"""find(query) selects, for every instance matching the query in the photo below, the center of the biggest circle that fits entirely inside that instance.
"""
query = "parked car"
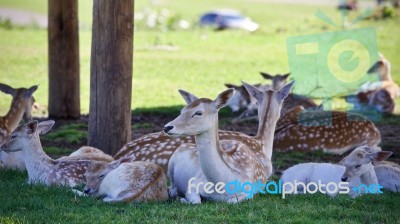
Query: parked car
(226, 18)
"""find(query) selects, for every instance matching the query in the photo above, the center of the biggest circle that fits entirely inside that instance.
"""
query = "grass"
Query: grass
(33, 203)
(68, 133)
(204, 62)
(205, 59)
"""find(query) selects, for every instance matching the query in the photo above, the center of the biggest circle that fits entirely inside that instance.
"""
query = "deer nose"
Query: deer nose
(86, 190)
(344, 178)
(168, 128)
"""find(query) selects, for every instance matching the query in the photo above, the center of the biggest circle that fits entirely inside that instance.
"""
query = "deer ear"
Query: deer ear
(31, 127)
(31, 91)
(45, 126)
(284, 91)
(8, 89)
(188, 97)
(253, 91)
(266, 75)
(285, 76)
(380, 156)
(223, 98)
(228, 85)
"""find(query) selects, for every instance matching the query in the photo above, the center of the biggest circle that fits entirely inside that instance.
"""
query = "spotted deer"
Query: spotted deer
(126, 181)
(291, 101)
(379, 95)
(21, 105)
(88, 153)
(41, 168)
(356, 169)
(158, 147)
(214, 160)
(334, 132)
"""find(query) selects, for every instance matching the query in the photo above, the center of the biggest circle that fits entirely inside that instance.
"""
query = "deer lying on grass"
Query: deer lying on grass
(89, 153)
(241, 99)
(158, 147)
(334, 132)
(356, 168)
(215, 160)
(41, 168)
(21, 105)
(291, 101)
(125, 181)
(379, 95)
(15, 160)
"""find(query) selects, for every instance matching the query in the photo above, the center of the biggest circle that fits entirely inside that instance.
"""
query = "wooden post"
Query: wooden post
(111, 75)
(63, 40)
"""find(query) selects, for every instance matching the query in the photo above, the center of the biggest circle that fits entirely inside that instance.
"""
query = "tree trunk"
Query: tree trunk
(63, 40)
(111, 75)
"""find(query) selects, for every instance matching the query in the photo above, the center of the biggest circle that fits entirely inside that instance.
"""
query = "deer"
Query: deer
(379, 95)
(334, 132)
(158, 147)
(21, 105)
(41, 168)
(126, 181)
(291, 101)
(357, 168)
(88, 153)
(213, 160)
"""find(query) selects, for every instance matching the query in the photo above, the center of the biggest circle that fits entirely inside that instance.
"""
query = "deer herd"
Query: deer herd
(193, 147)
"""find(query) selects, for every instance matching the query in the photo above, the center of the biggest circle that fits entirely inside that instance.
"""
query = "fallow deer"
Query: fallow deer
(356, 168)
(41, 168)
(334, 132)
(291, 101)
(158, 147)
(126, 181)
(215, 160)
(88, 153)
(383, 68)
(21, 105)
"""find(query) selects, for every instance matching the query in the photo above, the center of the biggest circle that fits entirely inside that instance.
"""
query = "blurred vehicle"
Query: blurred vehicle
(226, 18)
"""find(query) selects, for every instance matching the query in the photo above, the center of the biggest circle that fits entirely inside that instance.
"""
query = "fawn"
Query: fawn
(215, 160)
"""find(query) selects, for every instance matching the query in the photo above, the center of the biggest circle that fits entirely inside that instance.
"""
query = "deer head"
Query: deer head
(278, 81)
(96, 172)
(270, 101)
(359, 161)
(22, 98)
(381, 67)
(199, 116)
(26, 134)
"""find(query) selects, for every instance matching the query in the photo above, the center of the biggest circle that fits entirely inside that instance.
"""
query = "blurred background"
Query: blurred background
(172, 51)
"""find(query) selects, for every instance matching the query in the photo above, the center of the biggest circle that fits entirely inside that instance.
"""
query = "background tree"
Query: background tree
(111, 74)
(63, 40)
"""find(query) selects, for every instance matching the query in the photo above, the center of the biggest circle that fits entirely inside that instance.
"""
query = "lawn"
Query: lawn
(203, 62)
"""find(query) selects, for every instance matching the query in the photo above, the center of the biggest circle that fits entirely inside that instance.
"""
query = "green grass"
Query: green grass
(204, 62)
(205, 59)
(67, 133)
(35, 203)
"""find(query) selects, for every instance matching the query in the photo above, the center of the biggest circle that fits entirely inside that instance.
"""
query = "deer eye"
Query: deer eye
(358, 166)
(198, 113)
(101, 176)
(13, 137)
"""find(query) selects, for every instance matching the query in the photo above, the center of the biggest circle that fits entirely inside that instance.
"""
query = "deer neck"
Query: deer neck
(213, 166)
(266, 127)
(369, 177)
(386, 73)
(14, 115)
(37, 162)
